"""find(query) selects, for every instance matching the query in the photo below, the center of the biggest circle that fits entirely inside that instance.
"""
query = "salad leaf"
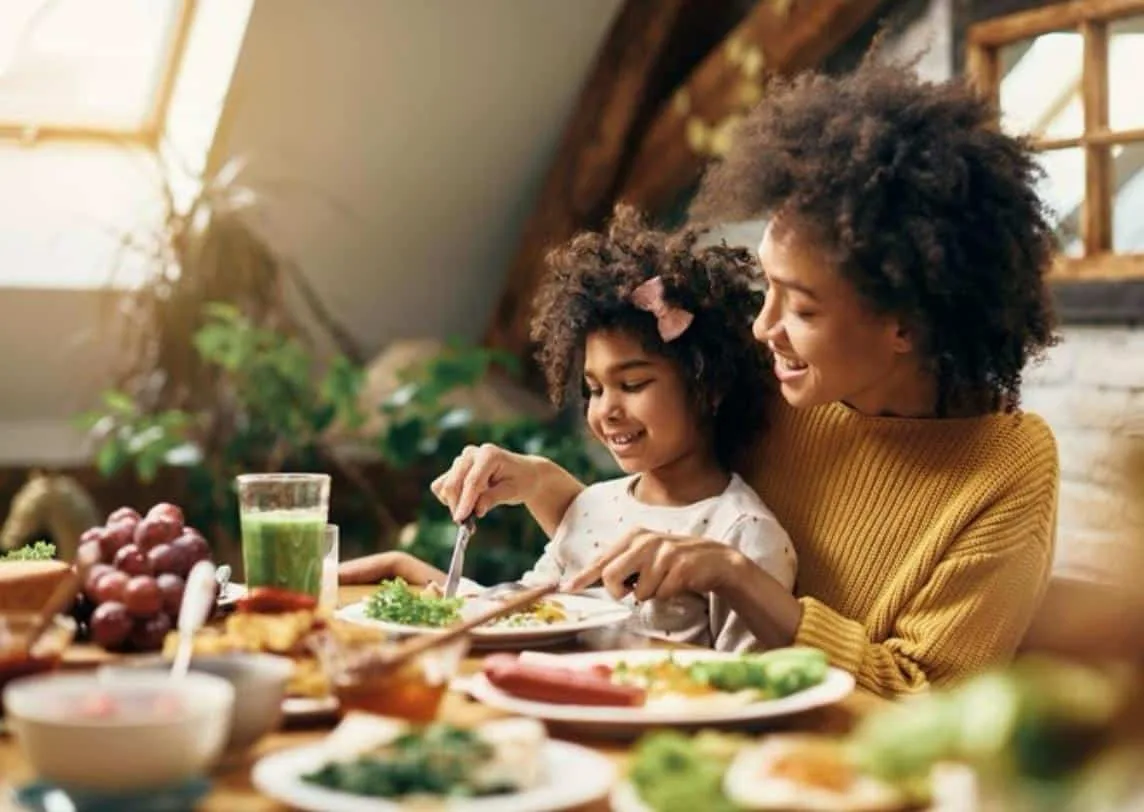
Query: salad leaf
(36, 551)
(395, 602)
(437, 760)
(674, 773)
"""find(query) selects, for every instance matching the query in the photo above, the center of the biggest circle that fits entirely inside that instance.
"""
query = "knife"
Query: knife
(464, 533)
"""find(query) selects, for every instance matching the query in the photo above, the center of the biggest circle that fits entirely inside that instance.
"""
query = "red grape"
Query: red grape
(172, 588)
(115, 537)
(92, 577)
(173, 512)
(142, 596)
(165, 558)
(193, 547)
(131, 560)
(91, 534)
(156, 530)
(129, 514)
(89, 554)
(149, 633)
(112, 587)
(110, 624)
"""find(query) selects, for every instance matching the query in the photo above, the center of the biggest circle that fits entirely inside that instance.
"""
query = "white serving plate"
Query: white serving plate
(628, 721)
(280, 776)
(587, 612)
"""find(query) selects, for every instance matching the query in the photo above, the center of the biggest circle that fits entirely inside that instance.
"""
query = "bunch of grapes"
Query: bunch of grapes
(136, 570)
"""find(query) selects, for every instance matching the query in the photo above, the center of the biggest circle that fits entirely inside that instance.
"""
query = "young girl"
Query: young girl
(655, 333)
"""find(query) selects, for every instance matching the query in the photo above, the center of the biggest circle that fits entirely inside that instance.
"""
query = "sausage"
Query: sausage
(271, 600)
(558, 686)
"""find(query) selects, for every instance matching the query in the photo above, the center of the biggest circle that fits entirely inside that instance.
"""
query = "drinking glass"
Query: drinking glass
(329, 596)
(283, 518)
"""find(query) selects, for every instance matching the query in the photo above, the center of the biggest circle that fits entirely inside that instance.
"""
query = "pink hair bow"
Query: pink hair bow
(672, 321)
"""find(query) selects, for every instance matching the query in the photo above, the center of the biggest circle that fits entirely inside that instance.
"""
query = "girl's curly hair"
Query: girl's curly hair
(922, 203)
(589, 288)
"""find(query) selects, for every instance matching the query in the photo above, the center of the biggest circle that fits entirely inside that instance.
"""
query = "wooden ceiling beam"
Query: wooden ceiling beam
(601, 135)
(778, 36)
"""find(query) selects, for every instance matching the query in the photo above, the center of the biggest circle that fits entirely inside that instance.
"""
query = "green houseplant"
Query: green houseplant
(281, 405)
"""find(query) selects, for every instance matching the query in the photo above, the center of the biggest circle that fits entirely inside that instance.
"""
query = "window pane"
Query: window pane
(1125, 64)
(1041, 86)
(1128, 204)
(83, 64)
(1062, 188)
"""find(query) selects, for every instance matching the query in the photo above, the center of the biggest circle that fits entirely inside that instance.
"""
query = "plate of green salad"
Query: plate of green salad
(401, 609)
(376, 764)
(793, 772)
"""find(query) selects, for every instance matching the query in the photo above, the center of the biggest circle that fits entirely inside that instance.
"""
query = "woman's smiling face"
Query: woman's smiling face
(828, 343)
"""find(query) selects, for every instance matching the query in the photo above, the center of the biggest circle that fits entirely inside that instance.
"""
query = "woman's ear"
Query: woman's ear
(902, 340)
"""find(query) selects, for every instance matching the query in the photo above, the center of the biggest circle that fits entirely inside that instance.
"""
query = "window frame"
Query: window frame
(1091, 19)
(147, 136)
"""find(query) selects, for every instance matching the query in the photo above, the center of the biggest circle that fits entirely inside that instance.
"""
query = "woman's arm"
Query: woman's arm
(972, 611)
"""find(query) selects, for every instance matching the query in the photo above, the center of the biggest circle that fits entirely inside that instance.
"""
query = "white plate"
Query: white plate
(837, 686)
(279, 775)
(954, 790)
(589, 613)
(624, 797)
(307, 708)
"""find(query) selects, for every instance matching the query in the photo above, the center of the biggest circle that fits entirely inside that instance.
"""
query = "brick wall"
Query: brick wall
(1091, 391)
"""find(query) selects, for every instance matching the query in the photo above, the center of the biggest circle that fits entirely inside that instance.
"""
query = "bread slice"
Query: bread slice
(25, 586)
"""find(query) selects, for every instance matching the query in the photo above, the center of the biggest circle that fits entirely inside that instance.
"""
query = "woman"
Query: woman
(905, 262)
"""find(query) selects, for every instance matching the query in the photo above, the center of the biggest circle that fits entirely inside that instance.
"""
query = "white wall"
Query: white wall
(433, 121)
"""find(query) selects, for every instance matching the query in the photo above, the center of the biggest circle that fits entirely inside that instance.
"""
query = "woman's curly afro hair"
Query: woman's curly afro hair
(920, 201)
(589, 288)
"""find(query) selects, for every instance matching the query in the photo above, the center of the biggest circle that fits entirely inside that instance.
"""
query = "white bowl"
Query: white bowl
(259, 682)
(134, 732)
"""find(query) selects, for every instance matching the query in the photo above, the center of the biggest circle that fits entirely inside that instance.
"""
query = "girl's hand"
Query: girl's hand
(660, 565)
(395, 564)
(483, 477)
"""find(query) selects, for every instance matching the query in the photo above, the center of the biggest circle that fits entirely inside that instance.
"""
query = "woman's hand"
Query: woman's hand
(659, 565)
(484, 477)
(665, 566)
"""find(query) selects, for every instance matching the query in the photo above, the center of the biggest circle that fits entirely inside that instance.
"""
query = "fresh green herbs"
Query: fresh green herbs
(675, 773)
(395, 602)
(438, 759)
(36, 551)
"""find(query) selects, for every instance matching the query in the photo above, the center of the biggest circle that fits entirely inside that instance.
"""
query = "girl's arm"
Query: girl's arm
(485, 477)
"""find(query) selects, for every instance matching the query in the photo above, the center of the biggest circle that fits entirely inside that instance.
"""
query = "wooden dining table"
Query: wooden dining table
(232, 790)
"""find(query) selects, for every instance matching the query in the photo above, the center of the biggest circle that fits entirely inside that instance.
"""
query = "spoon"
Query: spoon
(198, 596)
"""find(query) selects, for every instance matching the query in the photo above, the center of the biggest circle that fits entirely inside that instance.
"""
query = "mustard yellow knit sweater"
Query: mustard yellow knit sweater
(924, 546)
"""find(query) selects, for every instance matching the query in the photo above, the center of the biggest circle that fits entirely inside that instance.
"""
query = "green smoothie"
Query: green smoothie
(283, 548)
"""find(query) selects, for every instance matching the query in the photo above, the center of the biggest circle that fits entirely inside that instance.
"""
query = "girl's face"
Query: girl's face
(828, 343)
(638, 405)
